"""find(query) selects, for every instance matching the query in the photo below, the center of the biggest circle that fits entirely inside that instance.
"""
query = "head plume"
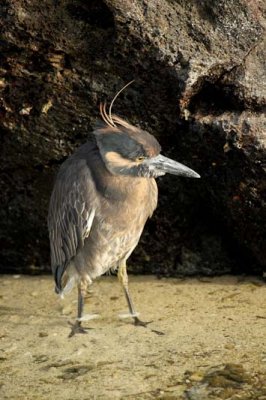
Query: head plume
(107, 117)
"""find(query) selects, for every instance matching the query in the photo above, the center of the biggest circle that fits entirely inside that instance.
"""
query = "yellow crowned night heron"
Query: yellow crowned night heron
(103, 195)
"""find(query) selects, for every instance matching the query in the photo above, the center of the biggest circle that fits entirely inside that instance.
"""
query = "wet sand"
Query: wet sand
(212, 346)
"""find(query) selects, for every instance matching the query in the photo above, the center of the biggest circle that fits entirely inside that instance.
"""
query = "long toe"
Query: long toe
(138, 322)
(77, 328)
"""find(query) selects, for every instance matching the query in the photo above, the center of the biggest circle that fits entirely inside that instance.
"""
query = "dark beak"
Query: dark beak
(165, 165)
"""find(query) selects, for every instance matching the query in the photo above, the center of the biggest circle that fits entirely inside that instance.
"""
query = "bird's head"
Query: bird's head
(128, 150)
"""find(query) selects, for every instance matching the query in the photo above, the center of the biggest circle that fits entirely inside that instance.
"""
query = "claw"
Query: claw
(159, 333)
(77, 328)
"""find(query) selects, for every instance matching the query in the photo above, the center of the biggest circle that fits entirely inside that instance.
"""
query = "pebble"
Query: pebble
(196, 376)
(67, 310)
(43, 334)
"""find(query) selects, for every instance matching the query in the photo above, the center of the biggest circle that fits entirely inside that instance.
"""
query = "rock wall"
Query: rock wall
(200, 87)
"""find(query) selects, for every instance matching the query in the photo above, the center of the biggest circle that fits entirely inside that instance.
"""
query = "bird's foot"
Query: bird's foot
(138, 322)
(77, 328)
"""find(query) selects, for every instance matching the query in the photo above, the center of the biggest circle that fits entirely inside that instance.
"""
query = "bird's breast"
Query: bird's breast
(131, 200)
(118, 225)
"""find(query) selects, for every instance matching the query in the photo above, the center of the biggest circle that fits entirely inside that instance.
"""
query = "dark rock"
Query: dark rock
(229, 381)
(200, 88)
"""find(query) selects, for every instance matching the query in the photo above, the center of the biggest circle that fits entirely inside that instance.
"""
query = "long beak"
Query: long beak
(166, 165)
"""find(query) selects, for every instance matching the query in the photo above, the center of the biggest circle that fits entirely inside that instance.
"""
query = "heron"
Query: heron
(102, 197)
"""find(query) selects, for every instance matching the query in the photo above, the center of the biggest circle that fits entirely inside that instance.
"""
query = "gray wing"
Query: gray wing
(71, 213)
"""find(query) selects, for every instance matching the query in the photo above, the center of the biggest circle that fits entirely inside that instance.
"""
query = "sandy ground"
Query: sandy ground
(213, 344)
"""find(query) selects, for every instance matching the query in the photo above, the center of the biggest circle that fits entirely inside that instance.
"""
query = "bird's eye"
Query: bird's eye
(140, 158)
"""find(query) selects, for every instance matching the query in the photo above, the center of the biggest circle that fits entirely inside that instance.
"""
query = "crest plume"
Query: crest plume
(107, 118)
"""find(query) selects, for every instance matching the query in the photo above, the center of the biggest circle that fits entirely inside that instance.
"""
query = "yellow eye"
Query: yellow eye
(140, 159)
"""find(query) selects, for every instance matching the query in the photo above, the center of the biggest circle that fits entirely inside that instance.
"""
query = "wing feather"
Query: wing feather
(71, 213)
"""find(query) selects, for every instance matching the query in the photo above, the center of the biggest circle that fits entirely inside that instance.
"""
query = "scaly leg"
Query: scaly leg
(123, 279)
(76, 327)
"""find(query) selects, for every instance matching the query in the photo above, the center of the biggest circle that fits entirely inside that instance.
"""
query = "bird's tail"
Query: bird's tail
(58, 273)
(64, 280)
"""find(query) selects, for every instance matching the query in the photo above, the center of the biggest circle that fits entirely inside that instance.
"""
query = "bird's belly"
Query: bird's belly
(115, 247)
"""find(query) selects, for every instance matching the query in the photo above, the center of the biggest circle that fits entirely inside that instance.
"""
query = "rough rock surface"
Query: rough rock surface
(200, 88)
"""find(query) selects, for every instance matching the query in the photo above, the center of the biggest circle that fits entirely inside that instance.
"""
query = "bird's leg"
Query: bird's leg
(123, 279)
(76, 327)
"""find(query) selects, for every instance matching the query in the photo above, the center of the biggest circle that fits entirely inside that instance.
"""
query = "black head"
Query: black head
(124, 147)
(128, 150)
